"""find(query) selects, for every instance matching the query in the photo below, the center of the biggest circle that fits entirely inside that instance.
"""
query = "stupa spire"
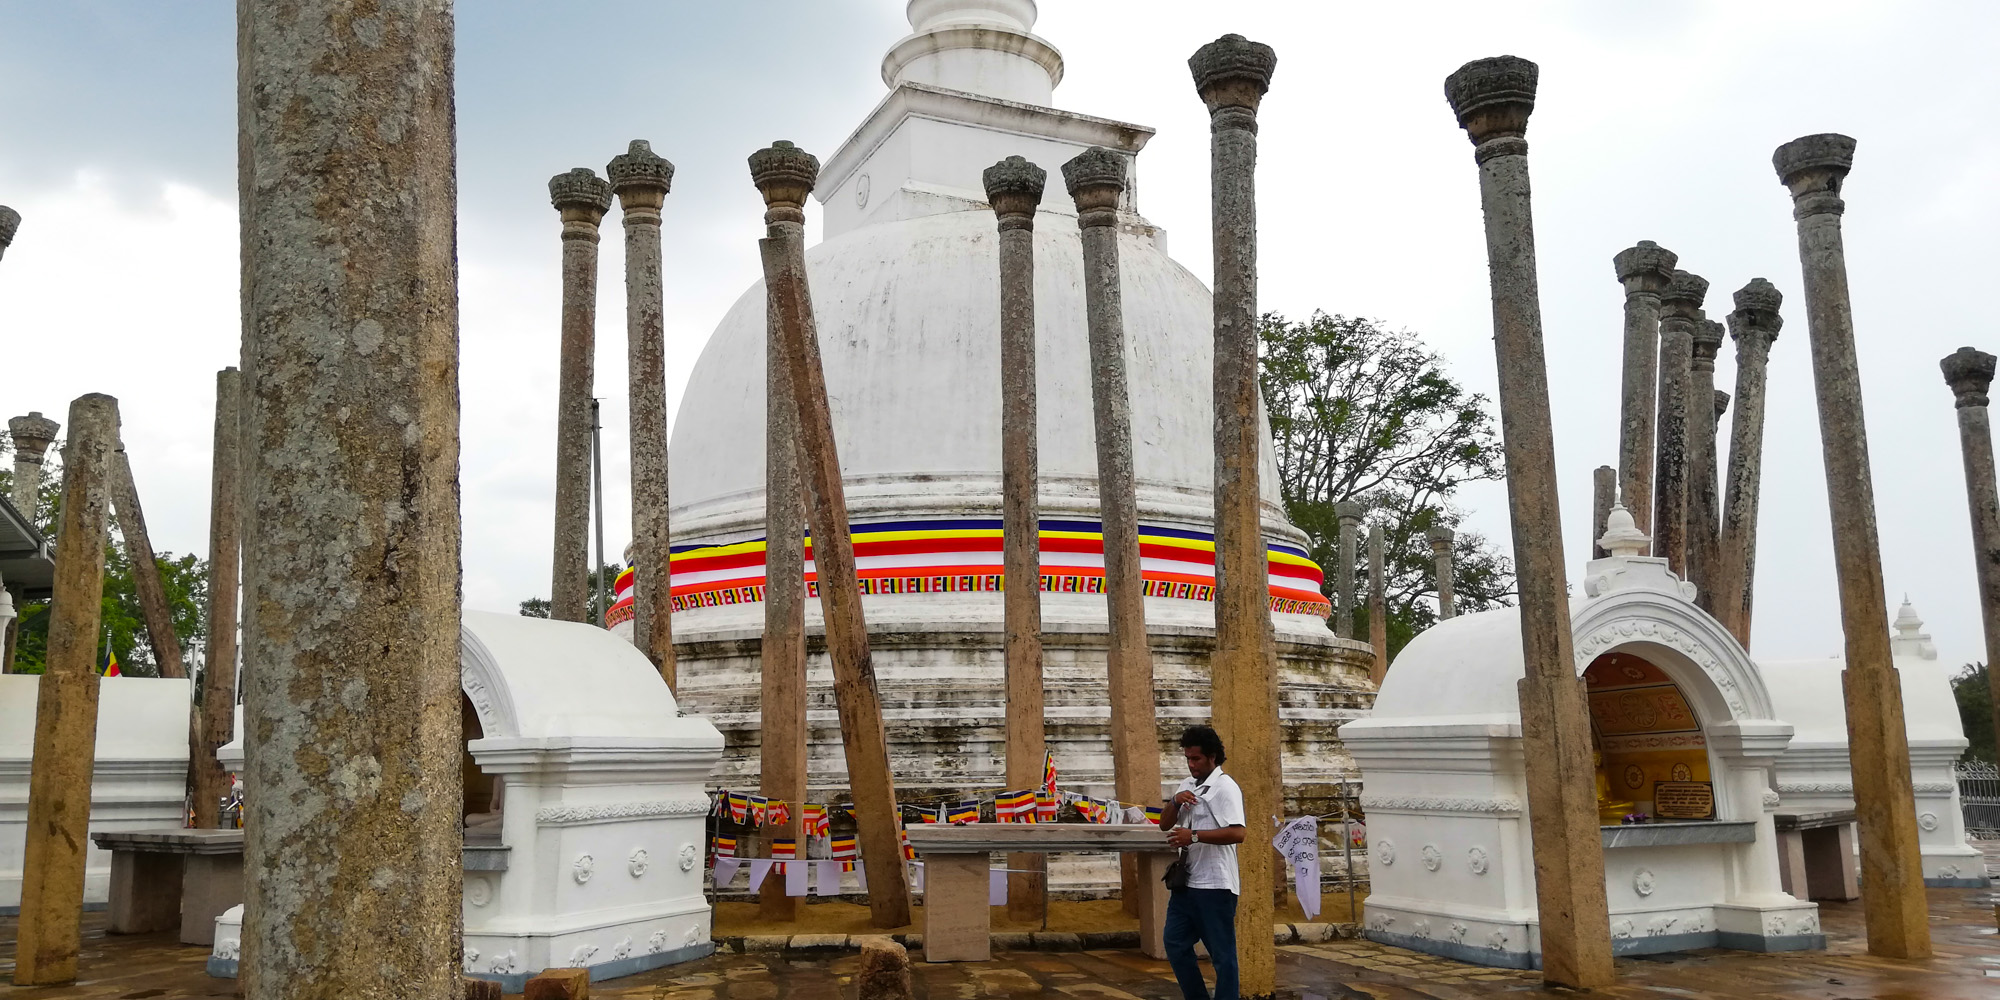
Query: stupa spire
(981, 47)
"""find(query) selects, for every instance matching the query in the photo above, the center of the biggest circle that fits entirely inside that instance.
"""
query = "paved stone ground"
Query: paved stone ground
(1967, 966)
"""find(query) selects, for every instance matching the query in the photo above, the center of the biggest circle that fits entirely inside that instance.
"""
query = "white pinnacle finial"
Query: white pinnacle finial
(1910, 639)
(1907, 622)
(1622, 537)
(983, 47)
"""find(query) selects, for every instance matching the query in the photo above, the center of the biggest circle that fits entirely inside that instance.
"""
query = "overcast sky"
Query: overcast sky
(1654, 121)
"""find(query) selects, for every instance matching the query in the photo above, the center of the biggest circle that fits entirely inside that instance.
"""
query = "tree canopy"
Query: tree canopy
(1361, 412)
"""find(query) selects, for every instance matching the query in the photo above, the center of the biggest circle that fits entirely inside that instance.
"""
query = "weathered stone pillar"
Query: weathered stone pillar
(1754, 326)
(1813, 168)
(1014, 188)
(145, 570)
(1704, 411)
(582, 198)
(32, 436)
(10, 223)
(1493, 98)
(1441, 539)
(1644, 270)
(351, 543)
(1349, 514)
(641, 179)
(1232, 75)
(785, 174)
(1680, 315)
(1970, 374)
(1603, 494)
(1378, 605)
(215, 721)
(51, 930)
(784, 730)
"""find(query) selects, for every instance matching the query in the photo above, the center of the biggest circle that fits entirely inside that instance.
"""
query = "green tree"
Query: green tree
(1975, 710)
(1361, 412)
(606, 576)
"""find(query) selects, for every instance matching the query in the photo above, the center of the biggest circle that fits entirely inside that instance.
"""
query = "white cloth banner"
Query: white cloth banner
(996, 887)
(760, 869)
(861, 875)
(795, 878)
(725, 871)
(916, 876)
(827, 878)
(1298, 841)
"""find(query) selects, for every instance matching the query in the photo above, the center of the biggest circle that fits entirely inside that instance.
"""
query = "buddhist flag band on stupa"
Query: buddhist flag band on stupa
(949, 555)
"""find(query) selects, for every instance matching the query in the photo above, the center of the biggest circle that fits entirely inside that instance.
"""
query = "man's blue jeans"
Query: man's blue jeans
(1208, 916)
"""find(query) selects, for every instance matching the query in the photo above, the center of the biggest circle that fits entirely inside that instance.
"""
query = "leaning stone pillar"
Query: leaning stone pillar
(1378, 605)
(1493, 98)
(10, 223)
(1441, 539)
(215, 721)
(785, 174)
(1754, 326)
(1680, 315)
(50, 932)
(1232, 74)
(641, 179)
(1970, 375)
(582, 197)
(1813, 168)
(1704, 410)
(32, 436)
(1603, 494)
(1644, 270)
(1349, 514)
(146, 583)
(783, 729)
(1014, 188)
(352, 885)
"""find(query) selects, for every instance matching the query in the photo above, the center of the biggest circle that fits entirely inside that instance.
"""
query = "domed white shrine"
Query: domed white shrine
(906, 291)
(1685, 727)
(1815, 775)
(585, 810)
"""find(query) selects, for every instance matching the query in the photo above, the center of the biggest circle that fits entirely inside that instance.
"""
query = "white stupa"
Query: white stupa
(905, 287)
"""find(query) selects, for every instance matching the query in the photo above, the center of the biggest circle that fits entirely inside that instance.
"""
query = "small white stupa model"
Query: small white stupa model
(1814, 774)
(585, 814)
(1686, 733)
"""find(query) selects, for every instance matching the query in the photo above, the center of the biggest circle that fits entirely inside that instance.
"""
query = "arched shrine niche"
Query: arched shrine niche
(1646, 735)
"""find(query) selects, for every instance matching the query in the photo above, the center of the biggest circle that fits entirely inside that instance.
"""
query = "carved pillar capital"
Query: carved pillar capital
(32, 436)
(1969, 372)
(1708, 336)
(1232, 74)
(1681, 299)
(1813, 168)
(1349, 511)
(785, 174)
(1755, 323)
(1096, 179)
(1014, 189)
(1440, 538)
(10, 221)
(641, 178)
(582, 197)
(1645, 269)
(1493, 98)
(1721, 403)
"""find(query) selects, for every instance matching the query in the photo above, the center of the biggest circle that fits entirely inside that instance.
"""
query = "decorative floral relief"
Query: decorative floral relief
(1385, 852)
(1948, 871)
(1475, 859)
(478, 891)
(228, 949)
(689, 857)
(657, 942)
(1771, 799)
(1502, 805)
(1614, 633)
(1927, 820)
(1458, 932)
(572, 815)
(1933, 787)
(1816, 788)
(635, 863)
(1433, 858)
(1807, 923)
(1643, 882)
(583, 868)
(693, 936)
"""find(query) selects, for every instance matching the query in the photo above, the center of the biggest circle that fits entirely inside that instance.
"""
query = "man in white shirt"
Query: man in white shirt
(1205, 817)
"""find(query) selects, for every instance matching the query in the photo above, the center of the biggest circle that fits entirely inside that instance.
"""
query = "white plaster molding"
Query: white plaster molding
(690, 856)
(1476, 860)
(583, 868)
(1433, 858)
(485, 686)
(615, 811)
(1816, 788)
(1928, 821)
(635, 863)
(656, 943)
(1385, 852)
(1502, 806)
(1772, 800)
(1643, 882)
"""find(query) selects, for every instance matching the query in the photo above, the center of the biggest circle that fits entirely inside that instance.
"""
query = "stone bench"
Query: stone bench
(1816, 858)
(957, 862)
(161, 879)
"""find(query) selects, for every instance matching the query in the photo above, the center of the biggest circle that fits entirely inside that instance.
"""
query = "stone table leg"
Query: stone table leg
(1792, 863)
(210, 884)
(145, 892)
(1153, 919)
(957, 922)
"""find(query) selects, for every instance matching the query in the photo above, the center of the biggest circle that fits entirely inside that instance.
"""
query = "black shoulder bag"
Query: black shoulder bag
(1176, 877)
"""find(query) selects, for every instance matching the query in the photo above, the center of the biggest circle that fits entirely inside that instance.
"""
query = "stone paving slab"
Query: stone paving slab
(1967, 967)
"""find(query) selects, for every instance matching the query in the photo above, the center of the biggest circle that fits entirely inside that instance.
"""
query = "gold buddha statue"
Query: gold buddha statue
(1609, 812)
